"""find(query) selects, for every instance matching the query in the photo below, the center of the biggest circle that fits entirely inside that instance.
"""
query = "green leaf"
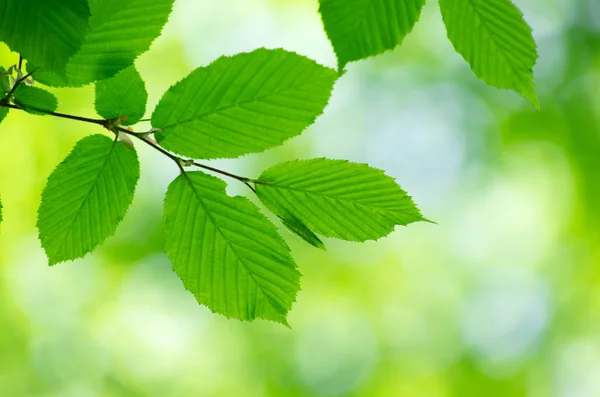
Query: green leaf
(119, 32)
(226, 252)
(0, 212)
(3, 113)
(336, 198)
(86, 197)
(359, 29)
(4, 83)
(297, 228)
(45, 32)
(493, 37)
(242, 104)
(35, 100)
(123, 95)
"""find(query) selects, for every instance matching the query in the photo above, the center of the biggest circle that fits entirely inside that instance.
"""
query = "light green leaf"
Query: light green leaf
(242, 104)
(35, 100)
(336, 198)
(362, 28)
(45, 32)
(0, 212)
(226, 252)
(120, 31)
(123, 95)
(297, 228)
(86, 197)
(493, 37)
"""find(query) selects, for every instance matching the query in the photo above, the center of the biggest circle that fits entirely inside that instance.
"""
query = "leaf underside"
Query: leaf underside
(226, 252)
(123, 95)
(242, 104)
(86, 197)
(45, 32)
(336, 198)
(493, 37)
(119, 32)
(359, 29)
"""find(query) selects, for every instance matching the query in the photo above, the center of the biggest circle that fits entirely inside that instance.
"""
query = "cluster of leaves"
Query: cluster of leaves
(226, 252)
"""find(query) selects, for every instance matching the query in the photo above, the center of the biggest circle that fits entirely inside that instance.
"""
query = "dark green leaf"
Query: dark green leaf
(495, 40)
(122, 96)
(242, 104)
(3, 113)
(45, 32)
(226, 252)
(86, 197)
(120, 31)
(336, 198)
(35, 100)
(362, 28)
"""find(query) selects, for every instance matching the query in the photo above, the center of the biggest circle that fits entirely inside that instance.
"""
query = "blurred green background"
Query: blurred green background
(501, 298)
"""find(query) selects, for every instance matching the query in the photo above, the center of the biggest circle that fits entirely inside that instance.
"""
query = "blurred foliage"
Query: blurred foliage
(502, 298)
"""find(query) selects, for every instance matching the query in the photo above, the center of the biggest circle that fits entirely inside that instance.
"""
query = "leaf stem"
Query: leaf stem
(17, 83)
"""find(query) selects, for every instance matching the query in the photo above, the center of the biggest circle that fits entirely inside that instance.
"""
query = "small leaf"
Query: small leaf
(226, 252)
(336, 198)
(3, 113)
(4, 83)
(122, 96)
(45, 32)
(242, 104)
(299, 229)
(86, 197)
(493, 37)
(35, 100)
(359, 29)
(119, 32)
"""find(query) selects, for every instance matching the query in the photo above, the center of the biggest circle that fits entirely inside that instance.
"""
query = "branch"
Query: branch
(142, 136)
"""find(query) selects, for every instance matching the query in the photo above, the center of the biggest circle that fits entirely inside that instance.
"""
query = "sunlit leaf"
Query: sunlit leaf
(362, 28)
(336, 198)
(495, 40)
(86, 197)
(226, 252)
(242, 104)
(45, 32)
(122, 96)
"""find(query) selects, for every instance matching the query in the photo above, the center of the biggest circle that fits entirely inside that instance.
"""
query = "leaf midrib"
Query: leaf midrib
(336, 198)
(238, 104)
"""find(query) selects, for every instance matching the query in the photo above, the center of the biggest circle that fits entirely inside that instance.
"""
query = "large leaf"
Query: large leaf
(242, 104)
(336, 198)
(45, 32)
(495, 40)
(120, 31)
(362, 28)
(226, 252)
(122, 96)
(35, 100)
(86, 197)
